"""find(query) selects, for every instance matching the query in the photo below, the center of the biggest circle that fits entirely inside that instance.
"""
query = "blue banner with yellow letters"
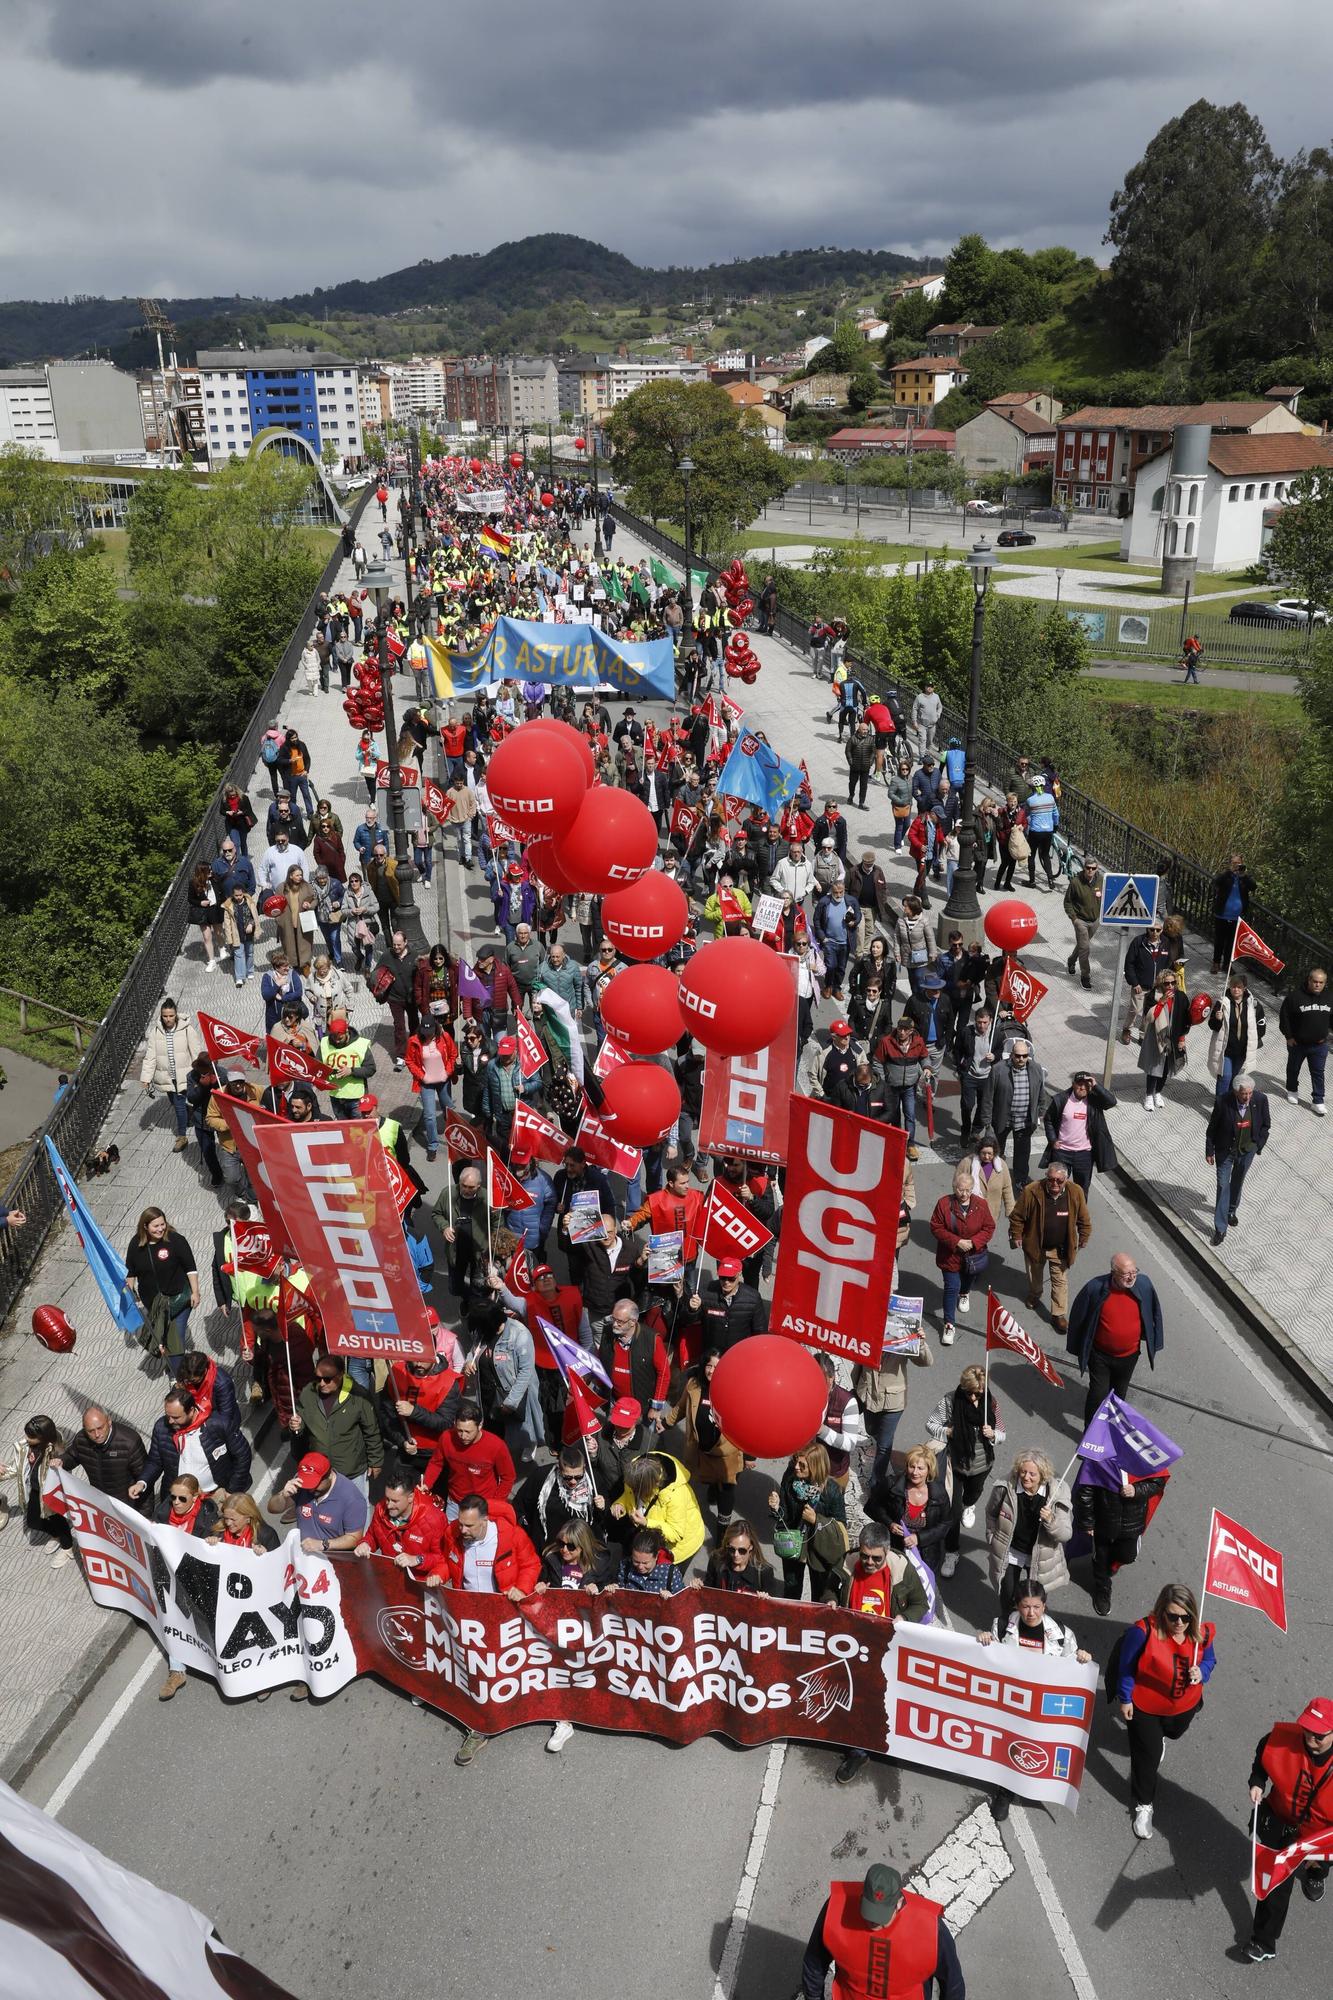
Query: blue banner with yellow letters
(561, 656)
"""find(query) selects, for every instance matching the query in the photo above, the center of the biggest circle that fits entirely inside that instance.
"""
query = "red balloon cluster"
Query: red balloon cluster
(740, 659)
(768, 1394)
(736, 589)
(735, 997)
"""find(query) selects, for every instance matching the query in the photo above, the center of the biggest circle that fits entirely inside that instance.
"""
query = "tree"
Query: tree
(912, 318)
(968, 270)
(35, 504)
(1188, 223)
(848, 350)
(1298, 266)
(67, 628)
(863, 388)
(1300, 548)
(735, 472)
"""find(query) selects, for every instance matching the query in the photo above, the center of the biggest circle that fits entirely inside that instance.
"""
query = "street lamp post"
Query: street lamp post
(550, 455)
(962, 912)
(407, 917)
(687, 596)
(1059, 579)
(597, 548)
(524, 429)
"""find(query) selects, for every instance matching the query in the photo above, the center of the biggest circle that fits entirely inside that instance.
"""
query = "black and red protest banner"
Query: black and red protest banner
(834, 1272)
(746, 1099)
(333, 1189)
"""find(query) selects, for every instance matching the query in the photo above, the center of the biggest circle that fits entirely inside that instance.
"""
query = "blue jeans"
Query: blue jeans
(464, 832)
(901, 1106)
(300, 784)
(835, 964)
(1231, 1175)
(361, 1371)
(243, 961)
(882, 1425)
(424, 860)
(434, 1099)
(900, 827)
(1224, 1079)
(1317, 1059)
(332, 935)
(180, 1111)
(953, 1285)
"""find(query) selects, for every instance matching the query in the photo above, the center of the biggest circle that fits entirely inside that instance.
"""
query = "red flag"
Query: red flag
(506, 1192)
(332, 1186)
(604, 1151)
(580, 1419)
(536, 1137)
(532, 1054)
(289, 1063)
(684, 821)
(930, 1108)
(435, 800)
(462, 1137)
(1248, 944)
(500, 834)
(255, 1249)
(225, 1043)
(1245, 1570)
(405, 1189)
(1003, 1330)
(408, 775)
(609, 1057)
(294, 1304)
(732, 708)
(730, 1230)
(834, 1272)
(1272, 1865)
(245, 1121)
(518, 1273)
(1021, 989)
(729, 909)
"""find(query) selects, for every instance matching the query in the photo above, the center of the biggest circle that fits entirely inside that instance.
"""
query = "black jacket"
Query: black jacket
(205, 1521)
(946, 1013)
(1108, 1512)
(1143, 962)
(605, 1570)
(725, 1321)
(1220, 1138)
(888, 1503)
(1222, 889)
(722, 1574)
(1099, 1132)
(112, 1468)
(227, 1452)
(1305, 1018)
(642, 1362)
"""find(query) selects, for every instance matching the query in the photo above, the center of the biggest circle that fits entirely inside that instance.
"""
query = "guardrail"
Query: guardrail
(1090, 827)
(75, 1121)
(77, 1022)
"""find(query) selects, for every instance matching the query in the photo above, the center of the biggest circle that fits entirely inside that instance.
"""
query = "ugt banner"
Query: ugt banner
(336, 1198)
(703, 1663)
(746, 1099)
(839, 1236)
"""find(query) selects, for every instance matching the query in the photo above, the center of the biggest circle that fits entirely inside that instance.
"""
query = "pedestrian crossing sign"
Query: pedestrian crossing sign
(1129, 900)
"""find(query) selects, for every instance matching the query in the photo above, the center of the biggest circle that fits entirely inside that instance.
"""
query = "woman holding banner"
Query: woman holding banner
(1160, 1665)
(1029, 1626)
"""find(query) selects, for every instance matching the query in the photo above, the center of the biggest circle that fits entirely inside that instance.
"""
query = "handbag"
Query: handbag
(1019, 849)
(972, 1265)
(381, 984)
(789, 1543)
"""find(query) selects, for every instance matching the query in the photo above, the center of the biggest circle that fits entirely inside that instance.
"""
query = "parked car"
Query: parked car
(983, 507)
(1255, 613)
(1015, 538)
(1054, 515)
(1301, 612)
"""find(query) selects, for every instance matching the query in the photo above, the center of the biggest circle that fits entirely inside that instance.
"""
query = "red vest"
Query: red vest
(1302, 1791)
(564, 1312)
(1161, 1683)
(430, 1391)
(892, 1963)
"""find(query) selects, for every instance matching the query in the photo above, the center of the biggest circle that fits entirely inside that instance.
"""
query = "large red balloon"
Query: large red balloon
(579, 443)
(53, 1329)
(768, 1395)
(735, 997)
(641, 1102)
(548, 499)
(649, 917)
(474, 465)
(515, 459)
(565, 732)
(540, 857)
(612, 842)
(640, 1010)
(536, 782)
(1011, 924)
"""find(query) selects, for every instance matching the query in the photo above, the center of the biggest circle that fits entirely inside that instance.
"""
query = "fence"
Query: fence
(75, 1121)
(78, 1025)
(1091, 828)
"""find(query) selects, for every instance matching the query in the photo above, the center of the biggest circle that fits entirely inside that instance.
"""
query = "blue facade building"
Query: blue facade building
(246, 391)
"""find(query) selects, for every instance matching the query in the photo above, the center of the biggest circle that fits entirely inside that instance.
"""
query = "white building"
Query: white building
(590, 384)
(26, 413)
(249, 390)
(1220, 522)
(529, 391)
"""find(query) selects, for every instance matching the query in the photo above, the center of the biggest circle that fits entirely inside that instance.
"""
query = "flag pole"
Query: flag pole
(1254, 1856)
(1212, 1524)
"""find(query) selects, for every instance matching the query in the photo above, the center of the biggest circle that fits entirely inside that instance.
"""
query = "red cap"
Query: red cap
(514, 871)
(506, 1046)
(626, 1415)
(728, 1267)
(841, 1028)
(368, 1105)
(1317, 1716)
(313, 1467)
(432, 1317)
(337, 1021)
(543, 1271)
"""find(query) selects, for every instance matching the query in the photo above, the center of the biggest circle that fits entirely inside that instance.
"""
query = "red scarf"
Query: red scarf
(244, 1540)
(185, 1522)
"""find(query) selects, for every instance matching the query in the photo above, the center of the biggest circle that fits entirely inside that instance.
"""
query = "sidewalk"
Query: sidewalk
(1281, 1255)
(53, 1637)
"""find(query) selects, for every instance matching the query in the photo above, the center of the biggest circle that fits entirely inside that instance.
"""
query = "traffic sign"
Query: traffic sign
(1129, 900)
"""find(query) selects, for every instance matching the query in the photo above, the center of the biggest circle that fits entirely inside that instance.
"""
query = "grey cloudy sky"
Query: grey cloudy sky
(182, 147)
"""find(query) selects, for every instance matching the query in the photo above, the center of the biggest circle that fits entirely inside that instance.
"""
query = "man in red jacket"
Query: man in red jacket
(1294, 1766)
(486, 1550)
(678, 1205)
(407, 1525)
(470, 1460)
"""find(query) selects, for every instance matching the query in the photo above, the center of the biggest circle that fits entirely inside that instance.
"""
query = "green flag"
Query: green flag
(614, 588)
(661, 574)
(639, 589)
(699, 579)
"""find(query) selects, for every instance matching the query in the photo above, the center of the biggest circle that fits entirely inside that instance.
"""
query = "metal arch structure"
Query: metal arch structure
(277, 434)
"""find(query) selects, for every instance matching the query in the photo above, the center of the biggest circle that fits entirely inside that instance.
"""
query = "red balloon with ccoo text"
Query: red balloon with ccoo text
(612, 842)
(540, 857)
(641, 1011)
(1011, 924)
(649, 917)
(768, 1395)
(735, 997)
(641, 1102)
(564, 732)
(536, 782)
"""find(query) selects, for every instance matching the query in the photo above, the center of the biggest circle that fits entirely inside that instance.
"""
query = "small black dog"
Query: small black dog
(101, 1163)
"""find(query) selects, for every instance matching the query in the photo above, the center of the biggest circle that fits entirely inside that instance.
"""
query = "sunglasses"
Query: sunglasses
(740, 1549)
(1176, 1617)
(182, 1496)
(330, 1380)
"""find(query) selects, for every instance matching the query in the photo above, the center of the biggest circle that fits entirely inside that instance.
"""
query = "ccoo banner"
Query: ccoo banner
(336, 1198)
(836, 1254)
(699, 1664)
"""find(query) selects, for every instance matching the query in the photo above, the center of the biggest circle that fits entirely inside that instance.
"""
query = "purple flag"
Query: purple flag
(469, 986)
(571, 1359)
(1121, 1439)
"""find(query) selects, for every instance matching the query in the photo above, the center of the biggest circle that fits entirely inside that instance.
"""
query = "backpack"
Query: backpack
(271, 745)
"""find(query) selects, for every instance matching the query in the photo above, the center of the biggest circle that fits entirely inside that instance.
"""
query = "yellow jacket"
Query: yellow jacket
(674, 1513)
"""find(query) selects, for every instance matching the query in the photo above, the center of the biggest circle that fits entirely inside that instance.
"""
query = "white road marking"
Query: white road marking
(966, 1869)
(1061, 1929)
(725, 1983)
(110, 1722)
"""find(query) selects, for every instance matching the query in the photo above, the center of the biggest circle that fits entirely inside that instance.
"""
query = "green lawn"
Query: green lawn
(46, 1039)
(1206, 700)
